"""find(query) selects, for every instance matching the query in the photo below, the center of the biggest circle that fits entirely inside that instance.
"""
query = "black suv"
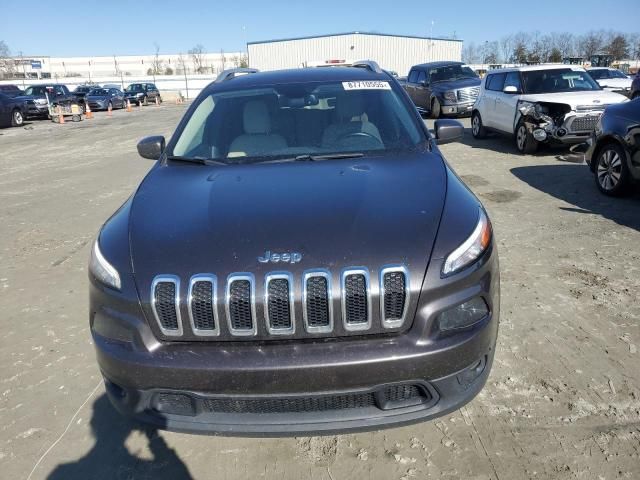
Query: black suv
(301, 258)
(142, 93)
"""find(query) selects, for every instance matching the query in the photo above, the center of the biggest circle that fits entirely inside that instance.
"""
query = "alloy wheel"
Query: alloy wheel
(18, 119)
(475, 125)
(521, 137)
(609, 169)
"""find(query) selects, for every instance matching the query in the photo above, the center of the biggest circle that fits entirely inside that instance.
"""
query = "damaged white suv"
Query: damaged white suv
(540, 104)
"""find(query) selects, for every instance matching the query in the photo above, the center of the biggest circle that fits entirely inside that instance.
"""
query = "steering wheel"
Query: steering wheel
(346, 136)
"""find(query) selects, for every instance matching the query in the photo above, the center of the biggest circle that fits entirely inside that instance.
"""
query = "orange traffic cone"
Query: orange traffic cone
(128, 105)
(109, 108)
(87, 112)
(60, 115)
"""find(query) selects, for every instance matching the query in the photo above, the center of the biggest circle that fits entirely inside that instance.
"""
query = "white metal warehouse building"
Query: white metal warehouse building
(392, 52)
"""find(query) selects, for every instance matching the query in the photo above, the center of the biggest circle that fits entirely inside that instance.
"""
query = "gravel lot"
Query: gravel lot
(563, 400)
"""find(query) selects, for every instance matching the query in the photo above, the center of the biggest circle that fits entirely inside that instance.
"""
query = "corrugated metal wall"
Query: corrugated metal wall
(392, 53)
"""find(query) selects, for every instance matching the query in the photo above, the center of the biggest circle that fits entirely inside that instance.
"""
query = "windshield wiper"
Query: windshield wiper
(329, 156)
(199, 160)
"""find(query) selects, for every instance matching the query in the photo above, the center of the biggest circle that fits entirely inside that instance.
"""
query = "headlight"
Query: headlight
(140, 94)
(451, 96)
(471, 248)
(463, 315)
(40, 101)
(102, 269)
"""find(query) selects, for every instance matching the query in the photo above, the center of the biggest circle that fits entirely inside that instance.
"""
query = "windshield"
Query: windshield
(38, 90)
(598, 74)
(136, 87)
(558, 80)
(617, 74)
(82, 89)
(299, 120)
(451, 72)
(98, 91)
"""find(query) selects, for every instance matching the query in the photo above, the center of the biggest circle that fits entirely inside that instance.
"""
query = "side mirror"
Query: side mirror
(151, 147)
(511, 89)
(425, 83)
(448, 131)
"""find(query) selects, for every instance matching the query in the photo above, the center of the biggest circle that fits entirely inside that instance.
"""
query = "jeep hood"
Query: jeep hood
(596, 98)
(187, 218)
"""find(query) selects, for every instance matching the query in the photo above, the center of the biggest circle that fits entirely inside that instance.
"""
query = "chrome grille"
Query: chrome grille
(317, 304)
(356, 304)
(468, 94)
(202, 305)
(280, 294)
(393, 295)
(165, 302)
(240, 305)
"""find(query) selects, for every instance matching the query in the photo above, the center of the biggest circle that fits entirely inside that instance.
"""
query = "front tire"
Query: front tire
(611, 172)
(17, 119)
(525, 143)
(477, 129)
(435, 108)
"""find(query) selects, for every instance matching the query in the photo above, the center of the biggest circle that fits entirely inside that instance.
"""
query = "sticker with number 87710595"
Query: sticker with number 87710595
(366, 85)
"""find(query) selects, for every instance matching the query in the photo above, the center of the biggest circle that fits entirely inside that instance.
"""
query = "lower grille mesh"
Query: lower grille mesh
(240, 305)
(202, 305)
(394, 295)
(164, 297)
(278, 305)
(291, 405)
(317, 302)
(356, 307)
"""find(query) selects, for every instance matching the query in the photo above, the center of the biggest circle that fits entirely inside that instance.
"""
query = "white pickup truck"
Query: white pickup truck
(540, 103)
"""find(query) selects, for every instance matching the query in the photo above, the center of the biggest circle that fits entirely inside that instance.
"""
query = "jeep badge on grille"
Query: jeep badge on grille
(286, 257)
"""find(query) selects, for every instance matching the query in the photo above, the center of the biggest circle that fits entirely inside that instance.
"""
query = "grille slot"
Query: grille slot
(356, 304)
(317, 302)
(165, 303)
(279, 304)
(202, 305)
(240, 305)
(393, 296)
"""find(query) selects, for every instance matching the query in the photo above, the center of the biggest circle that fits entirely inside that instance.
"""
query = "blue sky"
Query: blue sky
(109, 26)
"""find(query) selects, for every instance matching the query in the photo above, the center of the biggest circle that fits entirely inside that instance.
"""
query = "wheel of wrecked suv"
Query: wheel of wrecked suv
(17, 119)
(477, 129)
(611, 172)
(525, 143)
(435, 109)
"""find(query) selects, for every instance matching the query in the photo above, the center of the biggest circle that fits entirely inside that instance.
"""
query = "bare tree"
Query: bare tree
(182, 65)
(618, 47)
(197, 57)
(471, 53)
(7, 65)
(591, 43)
(156, 63)
(506, 48)
(565, 43)
(520, 52)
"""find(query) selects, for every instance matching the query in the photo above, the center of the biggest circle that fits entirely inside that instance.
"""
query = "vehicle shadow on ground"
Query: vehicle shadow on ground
(109, 457)
(505, 144)
(574, 184)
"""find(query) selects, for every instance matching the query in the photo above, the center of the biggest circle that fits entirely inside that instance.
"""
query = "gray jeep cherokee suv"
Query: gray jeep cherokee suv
(300, 258)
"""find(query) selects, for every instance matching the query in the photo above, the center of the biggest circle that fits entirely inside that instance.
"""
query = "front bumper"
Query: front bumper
(38, 110)
(457, 108)
(293, 387)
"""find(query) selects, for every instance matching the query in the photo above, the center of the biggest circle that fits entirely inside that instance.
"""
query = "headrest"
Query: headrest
(256, 118)
(349, 106)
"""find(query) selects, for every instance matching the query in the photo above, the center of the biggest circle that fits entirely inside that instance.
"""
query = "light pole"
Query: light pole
(24, 74)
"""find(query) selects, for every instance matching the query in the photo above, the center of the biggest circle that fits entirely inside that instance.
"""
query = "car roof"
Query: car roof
(437, 64)
(533, 68)
(299, 75)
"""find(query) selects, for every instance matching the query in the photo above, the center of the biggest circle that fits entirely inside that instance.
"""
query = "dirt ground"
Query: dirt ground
(562, 401)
